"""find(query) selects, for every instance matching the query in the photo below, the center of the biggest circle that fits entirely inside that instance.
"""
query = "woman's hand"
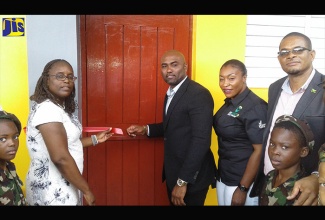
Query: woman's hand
(104, 135)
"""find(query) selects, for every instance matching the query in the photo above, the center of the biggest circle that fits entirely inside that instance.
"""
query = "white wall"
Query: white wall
(263, 36)
(51, 37)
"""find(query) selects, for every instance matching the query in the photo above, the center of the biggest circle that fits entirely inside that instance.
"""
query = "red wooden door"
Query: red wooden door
(122, 85)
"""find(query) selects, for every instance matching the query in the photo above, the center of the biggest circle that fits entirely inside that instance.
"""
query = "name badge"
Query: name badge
(233, 114)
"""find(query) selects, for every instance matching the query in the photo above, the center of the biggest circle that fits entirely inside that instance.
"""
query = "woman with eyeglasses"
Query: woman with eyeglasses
(54, 141)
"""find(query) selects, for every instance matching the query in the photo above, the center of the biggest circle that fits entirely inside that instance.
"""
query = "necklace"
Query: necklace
(61, 106)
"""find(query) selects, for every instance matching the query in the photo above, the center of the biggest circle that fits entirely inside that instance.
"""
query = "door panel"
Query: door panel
(122, 85)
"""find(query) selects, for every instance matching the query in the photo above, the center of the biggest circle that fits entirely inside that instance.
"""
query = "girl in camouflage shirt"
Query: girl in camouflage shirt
(11, 193)
(291, 140)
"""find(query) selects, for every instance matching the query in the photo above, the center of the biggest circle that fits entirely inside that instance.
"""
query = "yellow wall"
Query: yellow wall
(14, 88)
(216, 39)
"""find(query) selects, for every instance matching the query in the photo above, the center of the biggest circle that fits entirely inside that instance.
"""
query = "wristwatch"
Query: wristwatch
(242, 188)
(181, 182)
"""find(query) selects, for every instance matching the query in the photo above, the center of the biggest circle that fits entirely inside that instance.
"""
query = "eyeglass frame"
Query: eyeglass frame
(295, 51)
(70, 78)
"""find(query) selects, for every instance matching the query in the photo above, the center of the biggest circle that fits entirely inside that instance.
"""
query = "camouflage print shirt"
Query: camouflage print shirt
(277, 196)
(321, 153)
(11, 193)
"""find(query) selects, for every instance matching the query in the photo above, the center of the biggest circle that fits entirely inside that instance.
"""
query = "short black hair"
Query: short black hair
(9, 116)
(237, 64)
(298, 34)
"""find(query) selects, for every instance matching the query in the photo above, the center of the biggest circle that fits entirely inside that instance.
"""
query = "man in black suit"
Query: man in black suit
(299, 94)
(189, 166)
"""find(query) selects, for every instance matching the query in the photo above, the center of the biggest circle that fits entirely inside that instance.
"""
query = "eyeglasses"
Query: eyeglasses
(62, 77)
(295, 51)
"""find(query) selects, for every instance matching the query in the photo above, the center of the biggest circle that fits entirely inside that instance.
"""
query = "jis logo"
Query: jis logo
(13, 27)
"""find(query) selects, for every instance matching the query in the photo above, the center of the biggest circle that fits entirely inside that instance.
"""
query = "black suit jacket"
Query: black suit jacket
(187, 133)
(310, 108)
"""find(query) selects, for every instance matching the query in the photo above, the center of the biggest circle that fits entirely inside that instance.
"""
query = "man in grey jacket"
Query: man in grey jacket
(298, 94)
